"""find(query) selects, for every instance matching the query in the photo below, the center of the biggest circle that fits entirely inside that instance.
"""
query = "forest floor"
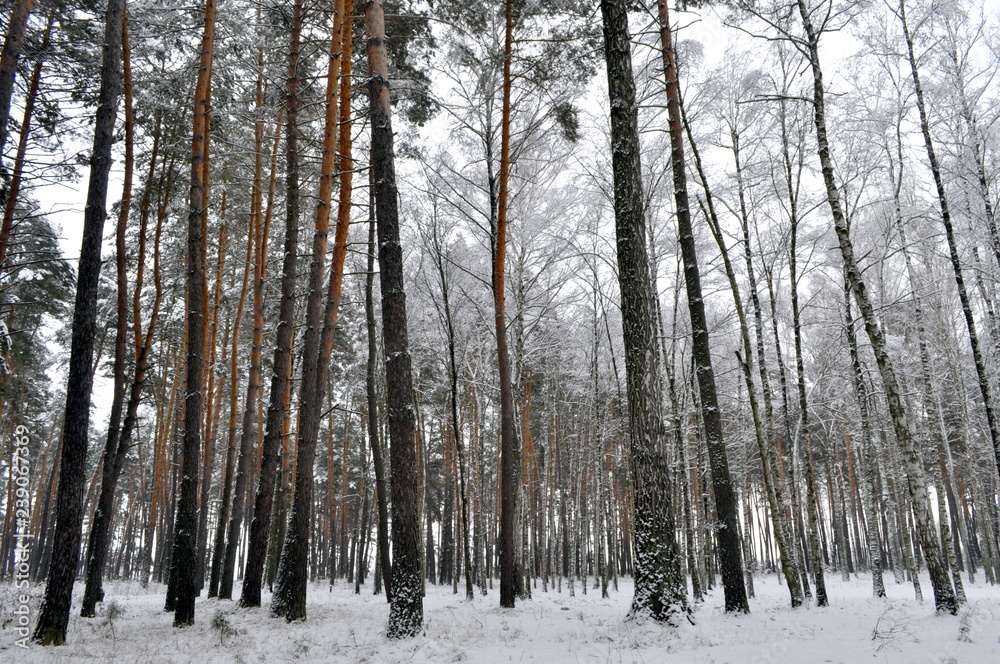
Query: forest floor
(551, 628)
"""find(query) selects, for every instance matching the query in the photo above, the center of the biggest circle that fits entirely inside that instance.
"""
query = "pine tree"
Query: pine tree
(115, 446)
(290, 592)
(54, 616)
(183, 558)
(659, 587)
(508, 442)
(257, 547)
(406, 613)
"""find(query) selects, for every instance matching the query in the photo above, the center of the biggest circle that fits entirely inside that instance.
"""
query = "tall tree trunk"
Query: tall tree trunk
(114, 447)
(363, 525)
(260, 524)
(228, 470)
(659, 587)
(258, 232)
(334, 287)
(336, 279)
(279, 513)
(183, 558)
(944, 595)
(727, 508)
(54, 616)
(406, 612)
(382, 498)
(289, 598)
(508, 488)
(344, 509)
(771, 473)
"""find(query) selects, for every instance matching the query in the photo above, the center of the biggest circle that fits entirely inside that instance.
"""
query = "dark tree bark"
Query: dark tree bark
(727, 507)
(381, 496)
(54, 616)
(659, 587)
(115, 446)
(289, 598)
(406, 611)
(508, 449)
(253, 573)
(279, 511)
(219, 541)
(183, 558)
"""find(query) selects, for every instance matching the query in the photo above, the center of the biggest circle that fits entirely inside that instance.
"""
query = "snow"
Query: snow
(551, 628)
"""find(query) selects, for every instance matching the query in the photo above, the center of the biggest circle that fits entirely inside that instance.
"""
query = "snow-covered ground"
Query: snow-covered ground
(552, 627)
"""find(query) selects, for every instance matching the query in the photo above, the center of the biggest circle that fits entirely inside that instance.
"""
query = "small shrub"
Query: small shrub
(112, 611)
(221, 623)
